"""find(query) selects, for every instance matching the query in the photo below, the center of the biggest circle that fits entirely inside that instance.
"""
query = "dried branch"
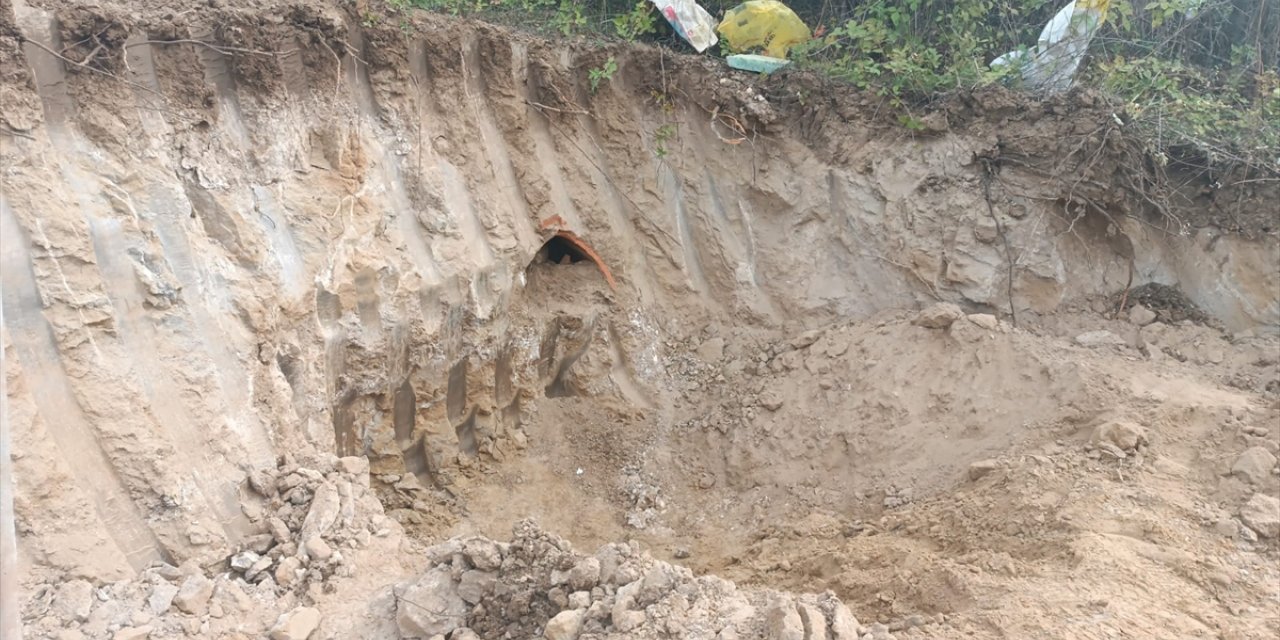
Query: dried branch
(93, 69)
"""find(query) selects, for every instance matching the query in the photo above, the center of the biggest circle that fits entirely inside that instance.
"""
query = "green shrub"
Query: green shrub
(639, 21)
(604, 72)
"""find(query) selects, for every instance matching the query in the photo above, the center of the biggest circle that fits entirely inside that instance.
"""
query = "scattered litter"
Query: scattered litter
(758, 64)
(579, 472)
(1062, 44)
(690, 21)
(764, 24)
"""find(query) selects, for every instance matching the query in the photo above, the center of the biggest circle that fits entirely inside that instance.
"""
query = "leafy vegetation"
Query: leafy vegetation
(604, 72)
(639, 21)
(1200, 76)
(661, 137)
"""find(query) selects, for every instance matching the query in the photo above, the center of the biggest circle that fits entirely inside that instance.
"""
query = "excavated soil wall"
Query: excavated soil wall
(299, 233)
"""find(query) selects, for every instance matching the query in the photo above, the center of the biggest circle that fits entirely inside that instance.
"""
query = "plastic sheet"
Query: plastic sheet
(1051, 64)
(690, 21)
(758, 64)
(764, 24)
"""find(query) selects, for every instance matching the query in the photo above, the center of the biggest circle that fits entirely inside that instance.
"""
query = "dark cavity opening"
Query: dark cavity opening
(558, 250)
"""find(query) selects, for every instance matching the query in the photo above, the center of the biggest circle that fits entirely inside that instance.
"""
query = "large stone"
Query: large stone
(260, 543)
(484, 554)
(566, 625)
(1254, 465)
(287, 571)
(843, 625)
(475, 585)
(262, 565)
(232, 599)
(193, 596)
(771, 399)
(982, 467)
(658, 581)
(73, 600)
(1124, 435)
(298, 624)
(815, 624)
(318, 549)
(938, 316)
(323, 512)
(161, 598)
(279, 530)
(985, 320)
(585, 574)
(1262, 514)
(805, 340)
(430, 606)
(624, 617)
(1141, 315)
(354, 465)
(783, 622)
(262, 482)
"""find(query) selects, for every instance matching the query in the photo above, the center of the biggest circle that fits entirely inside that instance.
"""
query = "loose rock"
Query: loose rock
(73, 600)
(938, 316)
(771, 399)
(279, 530)
(483, 554)
(843, 625)
(430, 606)
(323, 512)
(193, 596)
(585, 574)
(1125, 436)
(1141, 315)
(287, 572)
(1254, 465)
(475, 585)
(783, 622)
(566, 625)
(298, 624)
(354, 465)
(982, 467)
(244, 560)
(1262, 514)
(984, 320)
(318, 549)
(161, 598)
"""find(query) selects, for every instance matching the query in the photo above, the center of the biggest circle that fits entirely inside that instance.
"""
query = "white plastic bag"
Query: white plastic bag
(1052, 63)
(690, 21)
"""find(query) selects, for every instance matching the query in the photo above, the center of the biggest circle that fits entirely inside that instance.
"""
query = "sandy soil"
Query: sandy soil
(293, 349)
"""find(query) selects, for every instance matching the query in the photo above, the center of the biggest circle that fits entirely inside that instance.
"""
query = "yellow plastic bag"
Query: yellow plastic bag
(766, 24)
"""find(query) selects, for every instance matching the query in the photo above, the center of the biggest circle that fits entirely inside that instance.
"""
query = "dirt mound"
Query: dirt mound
(1170, 304)
(536, 585)
(765, 334)
(319, 523)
